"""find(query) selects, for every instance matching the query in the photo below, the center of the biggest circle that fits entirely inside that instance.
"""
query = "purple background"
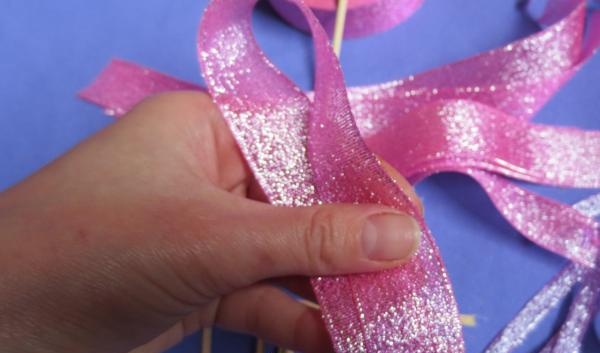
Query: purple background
(51, 49)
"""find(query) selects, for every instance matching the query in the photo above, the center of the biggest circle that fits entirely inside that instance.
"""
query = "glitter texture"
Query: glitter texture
(448, 134)
(134, 83)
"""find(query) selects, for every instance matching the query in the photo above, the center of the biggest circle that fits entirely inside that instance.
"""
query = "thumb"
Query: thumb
(266, 241)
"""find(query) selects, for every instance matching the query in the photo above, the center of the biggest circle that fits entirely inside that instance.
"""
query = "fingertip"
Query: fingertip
(311, 334)
(390, 237)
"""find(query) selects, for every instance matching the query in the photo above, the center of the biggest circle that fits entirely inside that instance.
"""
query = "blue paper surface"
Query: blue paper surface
(51, 49)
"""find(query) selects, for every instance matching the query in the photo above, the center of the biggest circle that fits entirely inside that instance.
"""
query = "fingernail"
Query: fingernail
(389, 236)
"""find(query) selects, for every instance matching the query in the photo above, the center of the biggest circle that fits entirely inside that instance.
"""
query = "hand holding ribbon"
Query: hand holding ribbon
(471, 117)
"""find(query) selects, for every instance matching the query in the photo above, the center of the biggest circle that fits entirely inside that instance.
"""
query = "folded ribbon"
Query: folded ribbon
(469, 117)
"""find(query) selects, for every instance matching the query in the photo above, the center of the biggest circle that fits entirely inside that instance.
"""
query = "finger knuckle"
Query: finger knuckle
(324, 240)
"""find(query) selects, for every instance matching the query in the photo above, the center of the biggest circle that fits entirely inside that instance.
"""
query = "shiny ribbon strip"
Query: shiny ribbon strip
(470, 117)
(583, 307)
(364, 17)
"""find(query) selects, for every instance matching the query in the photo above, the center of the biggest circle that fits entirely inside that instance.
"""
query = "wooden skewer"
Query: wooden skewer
(260, 346)
(468, 320)
(309, 303)
(340, 22)
(207, 340)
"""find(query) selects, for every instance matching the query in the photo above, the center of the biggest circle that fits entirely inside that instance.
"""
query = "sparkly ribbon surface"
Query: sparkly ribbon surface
(470, 117)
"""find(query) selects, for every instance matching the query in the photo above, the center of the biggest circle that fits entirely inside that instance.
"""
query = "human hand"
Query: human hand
(154, 228)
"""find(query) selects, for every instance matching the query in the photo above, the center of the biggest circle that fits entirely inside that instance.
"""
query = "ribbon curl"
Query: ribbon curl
(469, 117)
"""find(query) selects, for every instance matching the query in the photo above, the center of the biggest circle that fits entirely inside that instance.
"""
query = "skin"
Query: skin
(154, 228)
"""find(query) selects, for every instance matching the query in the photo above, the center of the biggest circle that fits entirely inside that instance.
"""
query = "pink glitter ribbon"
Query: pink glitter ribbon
(305, 152)
(585, 282)
(470, 117)
(364, 17)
